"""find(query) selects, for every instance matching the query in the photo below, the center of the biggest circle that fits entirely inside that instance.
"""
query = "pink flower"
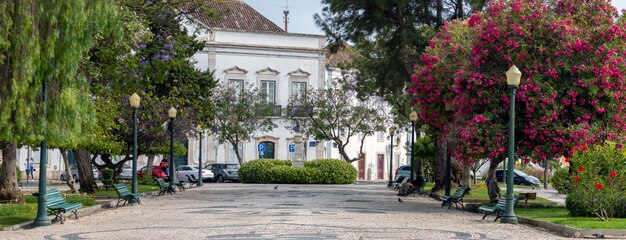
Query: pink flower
(577, 179)
(599, 186)
(613, 174)
(581, 169)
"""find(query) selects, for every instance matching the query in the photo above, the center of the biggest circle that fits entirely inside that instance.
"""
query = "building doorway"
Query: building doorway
(381, 165)
(269, 150)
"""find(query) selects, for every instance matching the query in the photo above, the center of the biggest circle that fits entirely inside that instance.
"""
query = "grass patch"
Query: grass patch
(111, 192)
(480, 193)
(559, 215)
(12, 213)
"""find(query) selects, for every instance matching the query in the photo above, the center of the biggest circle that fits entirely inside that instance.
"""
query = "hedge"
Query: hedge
(324, 171)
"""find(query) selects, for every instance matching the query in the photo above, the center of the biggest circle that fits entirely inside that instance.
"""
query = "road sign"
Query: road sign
(261, 147)
(292, 147)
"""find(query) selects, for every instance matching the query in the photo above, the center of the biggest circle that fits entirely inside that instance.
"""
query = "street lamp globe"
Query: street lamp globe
(413, 116)
(513, 76)
(134, 100)
(171, 113)
(392, 130)
(199, 128)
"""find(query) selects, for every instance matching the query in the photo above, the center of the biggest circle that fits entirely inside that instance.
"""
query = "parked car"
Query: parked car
(224, 172)
(521, 178)
(184, 170)
(127, 172)
(74, 171)
(403, 171)
(157, 172)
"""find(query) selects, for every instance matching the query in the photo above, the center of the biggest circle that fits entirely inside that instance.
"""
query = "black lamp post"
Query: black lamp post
(449, 108)
(413, 118)
(42, 215)
(512, 78)
(171, 114)
(134, 103)
(200, 131)
(392, 131)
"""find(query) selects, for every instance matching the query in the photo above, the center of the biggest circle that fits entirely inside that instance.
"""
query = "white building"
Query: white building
(243, 47)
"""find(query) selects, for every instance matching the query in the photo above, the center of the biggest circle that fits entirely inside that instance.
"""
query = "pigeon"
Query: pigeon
(400, 200)
(598, 235)
(276, 187)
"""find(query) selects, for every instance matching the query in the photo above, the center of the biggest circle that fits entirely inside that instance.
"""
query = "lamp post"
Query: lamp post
(171, 114)
(512, 78)
(449, 108)
(42, 215)
(413, 118)
(199, 128)
(134, 103)
(392, 131)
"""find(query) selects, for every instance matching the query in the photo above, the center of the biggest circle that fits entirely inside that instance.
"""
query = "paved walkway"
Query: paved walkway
(238, 211)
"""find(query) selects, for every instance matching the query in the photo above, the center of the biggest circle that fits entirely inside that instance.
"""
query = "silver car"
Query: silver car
(74, 171)
(184, 170)
(127, 172)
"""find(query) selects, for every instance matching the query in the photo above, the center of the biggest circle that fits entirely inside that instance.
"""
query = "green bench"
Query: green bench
(192, 180)
(456, 198)
(499, 208)
(124, 195)
(56, 204)
(180, 185)
(164, 187)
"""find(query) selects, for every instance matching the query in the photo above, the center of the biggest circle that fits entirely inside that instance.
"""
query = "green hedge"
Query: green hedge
(324, 171)
(574, 203)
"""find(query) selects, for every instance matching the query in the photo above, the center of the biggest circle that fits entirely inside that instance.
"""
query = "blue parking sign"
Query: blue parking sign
(292, 147)
(261, 147)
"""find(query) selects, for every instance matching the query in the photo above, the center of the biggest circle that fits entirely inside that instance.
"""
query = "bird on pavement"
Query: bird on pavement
(400, 200)
(276, 187)
(598, 235)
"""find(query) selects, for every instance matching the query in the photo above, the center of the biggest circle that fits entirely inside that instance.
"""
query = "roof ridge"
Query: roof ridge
(236, 15)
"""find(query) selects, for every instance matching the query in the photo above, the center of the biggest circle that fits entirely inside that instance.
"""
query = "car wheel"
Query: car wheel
(220, 179)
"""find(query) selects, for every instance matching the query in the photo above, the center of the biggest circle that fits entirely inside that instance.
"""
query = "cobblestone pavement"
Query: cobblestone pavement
(240, 211)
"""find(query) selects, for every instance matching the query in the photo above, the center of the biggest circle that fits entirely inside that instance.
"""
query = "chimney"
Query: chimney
(286, 17)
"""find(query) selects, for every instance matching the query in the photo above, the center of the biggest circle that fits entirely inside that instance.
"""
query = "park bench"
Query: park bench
(124, 195)
(401, 180)
(180, 185)
(192, 180)
(527, 196)
(418, 190)
(56, 204)
(456, 198)
(499, 208)
(164, 187)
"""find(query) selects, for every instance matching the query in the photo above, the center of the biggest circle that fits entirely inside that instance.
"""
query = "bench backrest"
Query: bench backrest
(53, 197)
(502, 202)
(121, 188)
(191, 178)
(162, 182)
(459, 193)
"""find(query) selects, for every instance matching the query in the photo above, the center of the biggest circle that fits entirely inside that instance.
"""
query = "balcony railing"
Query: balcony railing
(297, 111)
(276, 111)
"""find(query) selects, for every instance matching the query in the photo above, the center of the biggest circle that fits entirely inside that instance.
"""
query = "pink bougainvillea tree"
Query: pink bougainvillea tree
(572, 54)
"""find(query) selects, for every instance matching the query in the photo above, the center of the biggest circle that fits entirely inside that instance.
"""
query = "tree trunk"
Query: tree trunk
(342, 152)
(439, 13)
(465, 180)
(85, 172)
(440, 163)
(236, 150)
(149, 166)
(69, 179)
(492, 183)
(9, 190)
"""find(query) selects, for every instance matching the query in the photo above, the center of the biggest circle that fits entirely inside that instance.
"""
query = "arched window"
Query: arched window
(269, 150)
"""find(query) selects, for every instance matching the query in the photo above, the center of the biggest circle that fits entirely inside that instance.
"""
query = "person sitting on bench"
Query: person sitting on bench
(404, 189)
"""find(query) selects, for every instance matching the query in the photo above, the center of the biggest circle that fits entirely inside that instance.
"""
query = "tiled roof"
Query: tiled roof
(236, 15)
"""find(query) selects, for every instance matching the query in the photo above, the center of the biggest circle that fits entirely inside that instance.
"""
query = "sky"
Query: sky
(301, 13)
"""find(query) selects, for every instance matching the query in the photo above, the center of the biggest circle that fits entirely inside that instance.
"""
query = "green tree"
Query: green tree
(335, 114)
(238, 114)
(45, 42)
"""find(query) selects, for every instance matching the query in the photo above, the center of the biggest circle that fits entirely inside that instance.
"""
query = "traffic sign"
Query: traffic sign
(261, 147)
(292, 147)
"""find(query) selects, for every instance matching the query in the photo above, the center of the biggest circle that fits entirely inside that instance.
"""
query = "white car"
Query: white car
(74, 171)
(127, 172)
(184, 170)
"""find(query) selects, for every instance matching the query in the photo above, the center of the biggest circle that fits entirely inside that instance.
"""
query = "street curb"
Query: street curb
(109, 203)
(565, 231)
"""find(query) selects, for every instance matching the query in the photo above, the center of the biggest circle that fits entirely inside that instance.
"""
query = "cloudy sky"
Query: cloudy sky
(301, 12)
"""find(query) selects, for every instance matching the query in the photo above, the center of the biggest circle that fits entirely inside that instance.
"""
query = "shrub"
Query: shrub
(561, 181)
(107, 176)
(324, 171)
(148, 180)
(86, 199)
(598, 182)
